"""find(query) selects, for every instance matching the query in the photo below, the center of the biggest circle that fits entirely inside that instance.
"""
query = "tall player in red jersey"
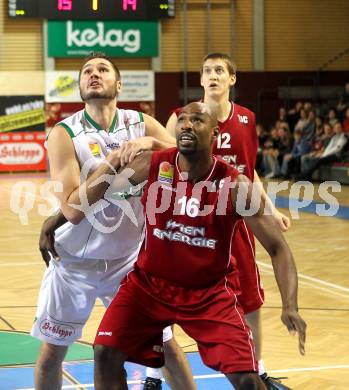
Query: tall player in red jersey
(183, 272)
(237, 144)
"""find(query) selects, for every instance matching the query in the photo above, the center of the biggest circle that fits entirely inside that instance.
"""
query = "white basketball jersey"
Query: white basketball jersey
(116, 230)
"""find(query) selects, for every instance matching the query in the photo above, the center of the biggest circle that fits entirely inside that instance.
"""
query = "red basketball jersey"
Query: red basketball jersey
(237, 142)
(189, 241)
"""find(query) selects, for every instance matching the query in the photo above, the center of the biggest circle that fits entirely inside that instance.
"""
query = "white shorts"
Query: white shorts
(68, 293)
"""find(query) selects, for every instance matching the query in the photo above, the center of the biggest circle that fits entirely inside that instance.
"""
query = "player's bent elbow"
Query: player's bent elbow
(73, 216)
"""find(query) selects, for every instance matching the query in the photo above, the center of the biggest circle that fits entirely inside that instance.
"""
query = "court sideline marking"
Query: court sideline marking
(311, 279)
(213, 376)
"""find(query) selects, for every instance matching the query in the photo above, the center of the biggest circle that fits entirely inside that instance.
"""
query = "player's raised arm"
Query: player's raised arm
(132, 174)
(65, 168)
(153, 128)
(282, 220)
(247, 196)
(171, 124)
(156, 138)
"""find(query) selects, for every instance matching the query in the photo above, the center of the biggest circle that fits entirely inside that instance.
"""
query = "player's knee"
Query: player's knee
(105, 356)
(51, 356)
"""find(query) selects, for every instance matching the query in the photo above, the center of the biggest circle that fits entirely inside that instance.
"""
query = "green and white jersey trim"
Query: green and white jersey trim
(92, 145)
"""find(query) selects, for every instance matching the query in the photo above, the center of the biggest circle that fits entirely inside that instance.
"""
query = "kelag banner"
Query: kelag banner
(115, 38)
(24, 113)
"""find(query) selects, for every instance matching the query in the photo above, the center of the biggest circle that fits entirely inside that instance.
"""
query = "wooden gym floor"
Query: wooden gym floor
(321, 249)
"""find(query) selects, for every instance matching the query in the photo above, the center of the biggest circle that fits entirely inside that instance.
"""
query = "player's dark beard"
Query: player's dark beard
(187, 152)
(109, 95)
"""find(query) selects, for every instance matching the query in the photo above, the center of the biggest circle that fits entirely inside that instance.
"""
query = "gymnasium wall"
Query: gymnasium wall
(305, 34)
(299, 36)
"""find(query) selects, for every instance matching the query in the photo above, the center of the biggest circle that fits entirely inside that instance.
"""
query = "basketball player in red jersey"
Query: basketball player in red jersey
(237, 144)
(182, 274)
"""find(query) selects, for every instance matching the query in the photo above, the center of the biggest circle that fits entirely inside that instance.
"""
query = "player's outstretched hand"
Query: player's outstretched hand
(47, 240)
(282, 220)
(295, 324)
(130, 149)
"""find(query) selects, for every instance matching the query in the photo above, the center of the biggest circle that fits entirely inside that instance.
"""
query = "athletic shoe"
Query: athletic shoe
(273, 383)
(152, 384)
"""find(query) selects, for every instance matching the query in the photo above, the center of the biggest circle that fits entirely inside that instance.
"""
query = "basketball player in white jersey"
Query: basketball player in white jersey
(98, 240)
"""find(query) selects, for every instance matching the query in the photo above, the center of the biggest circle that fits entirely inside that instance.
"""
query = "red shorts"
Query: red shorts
(145, 305)
(251, 294)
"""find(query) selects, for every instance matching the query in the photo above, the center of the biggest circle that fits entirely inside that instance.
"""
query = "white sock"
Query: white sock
(153, 373)
(261, 369)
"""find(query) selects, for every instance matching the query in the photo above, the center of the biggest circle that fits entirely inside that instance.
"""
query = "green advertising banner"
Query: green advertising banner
(114, 38)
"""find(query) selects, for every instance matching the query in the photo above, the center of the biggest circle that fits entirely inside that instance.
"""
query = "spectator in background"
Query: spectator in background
(331, 153)
(284, 117)
(308, 130)
(318, 141)
(294, 115)
(274, 158)
(332, 117)
(318, 123)
(327, 135)
(346, 121)
(307, 106)
(270, 151)
(286, 141)
(302, 121)
(282, 114)
(343, 103)
(321, 140)
(262, 139)
(292, 161)
(318, 145)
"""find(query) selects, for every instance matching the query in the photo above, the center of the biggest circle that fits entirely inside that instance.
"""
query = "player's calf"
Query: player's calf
(246, 381)
(109, 372)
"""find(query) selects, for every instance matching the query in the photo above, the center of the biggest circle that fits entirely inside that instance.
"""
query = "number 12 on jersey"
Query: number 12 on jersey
(223, 141)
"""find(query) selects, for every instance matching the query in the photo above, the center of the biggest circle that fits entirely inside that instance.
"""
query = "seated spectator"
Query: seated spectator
(274, 158)
(282, 114)
(326, 136)
(318, 123)
(285, 118)
(291, 161)
(320, 141)
(302, 120)
(331, 153)
(293, 115)
(286, 141)
(262, 138)
(346, 121)
(332, 117)
(308, 106)
(343, 103)
(308, 130)
(270, 152)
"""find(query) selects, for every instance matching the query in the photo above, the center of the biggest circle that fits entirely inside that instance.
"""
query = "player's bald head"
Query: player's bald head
(201, 109)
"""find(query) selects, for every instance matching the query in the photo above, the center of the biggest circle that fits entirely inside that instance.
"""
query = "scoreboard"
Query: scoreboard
(92, 9)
